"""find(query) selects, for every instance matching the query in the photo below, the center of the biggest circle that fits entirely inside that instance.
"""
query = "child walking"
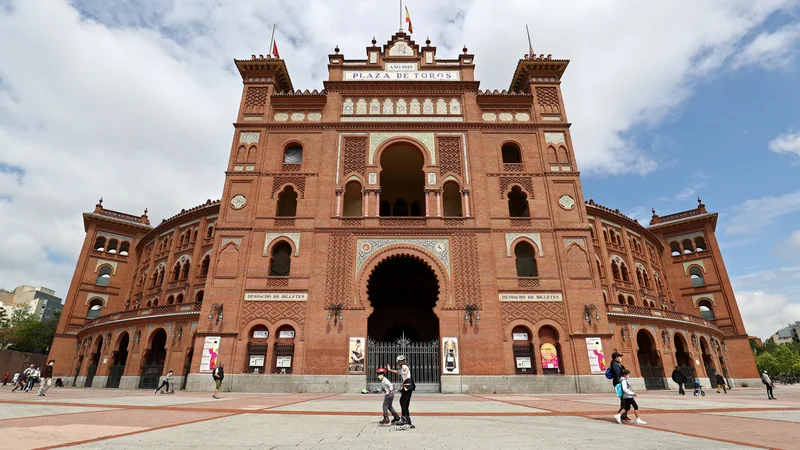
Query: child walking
(405, 394)
(166, 382)
(627, 400)
(388, 398)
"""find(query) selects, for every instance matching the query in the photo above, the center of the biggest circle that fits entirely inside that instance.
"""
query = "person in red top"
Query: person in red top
(5, 380)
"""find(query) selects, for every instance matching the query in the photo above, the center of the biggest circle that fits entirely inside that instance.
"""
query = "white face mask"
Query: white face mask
(380, 377)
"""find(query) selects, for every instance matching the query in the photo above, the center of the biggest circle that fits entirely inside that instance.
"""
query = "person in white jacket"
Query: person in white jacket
(628, 400)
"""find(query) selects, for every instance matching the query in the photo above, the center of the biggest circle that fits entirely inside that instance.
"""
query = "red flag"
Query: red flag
(408, 19)
(275, 50)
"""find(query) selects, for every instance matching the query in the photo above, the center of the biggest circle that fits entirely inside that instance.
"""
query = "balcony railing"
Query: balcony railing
(659, 313)
(145, 312)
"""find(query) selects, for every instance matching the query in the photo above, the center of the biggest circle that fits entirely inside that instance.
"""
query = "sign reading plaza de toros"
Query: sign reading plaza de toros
(402, 72)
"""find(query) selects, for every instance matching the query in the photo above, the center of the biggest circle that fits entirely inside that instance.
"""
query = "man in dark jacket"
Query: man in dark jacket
(46, 377)
(721, 383)
(680, 378)
(616, 371)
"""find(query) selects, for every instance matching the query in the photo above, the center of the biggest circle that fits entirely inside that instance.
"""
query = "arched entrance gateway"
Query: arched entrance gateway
(403, 291)
(649, 361)
(684, 358)
(154, 358)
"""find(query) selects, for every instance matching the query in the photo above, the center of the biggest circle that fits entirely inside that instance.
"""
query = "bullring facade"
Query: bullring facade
(400, 210)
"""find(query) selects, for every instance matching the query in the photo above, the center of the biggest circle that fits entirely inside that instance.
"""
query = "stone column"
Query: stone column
(427, 202)
(365, 195)
(339, 195)
(465, 193)
(438, 193)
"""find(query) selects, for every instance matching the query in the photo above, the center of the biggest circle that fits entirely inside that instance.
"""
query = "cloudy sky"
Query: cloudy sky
(132, 100)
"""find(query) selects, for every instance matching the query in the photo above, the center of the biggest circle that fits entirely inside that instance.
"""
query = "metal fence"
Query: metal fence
(115, 375)
(424, 360)
(90, 373)
(151, 375)
(653, 377)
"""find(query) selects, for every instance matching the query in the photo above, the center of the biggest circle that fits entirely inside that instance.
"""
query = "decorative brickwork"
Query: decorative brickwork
(284, 223)
(528, 282)
(454, 222)
(466, 274)
(532, 312)
(256, 97)
(278, 282)
(339, 273)
(355, 155)
(351, 222)
(298, 180)
(524, 182)
(291, 167)
(401, 222)
(548, 99)
(449, 155)
(275, 311)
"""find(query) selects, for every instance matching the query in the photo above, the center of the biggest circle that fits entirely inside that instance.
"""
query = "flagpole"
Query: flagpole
(272, 39)
(530, 46)
(401, 16)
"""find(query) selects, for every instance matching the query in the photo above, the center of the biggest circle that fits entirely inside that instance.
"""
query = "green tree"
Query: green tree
(26, 334)
(766, 361)
(796, 369)
(785, 358)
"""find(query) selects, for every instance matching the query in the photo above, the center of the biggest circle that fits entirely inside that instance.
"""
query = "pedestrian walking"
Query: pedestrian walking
(28, 378)
(721, 383)
(408, 388)
(388, 398)
(167, 379)
(5, 380)
(768, 383)
(616, 377)
(679, 378)
(47, 378)
(218, 374)
(15, 379)
(628, 400)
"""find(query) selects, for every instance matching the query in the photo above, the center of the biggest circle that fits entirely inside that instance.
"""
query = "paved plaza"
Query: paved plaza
(116, 419)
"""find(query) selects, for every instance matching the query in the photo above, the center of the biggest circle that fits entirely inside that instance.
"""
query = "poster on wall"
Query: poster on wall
(450, 356)
(549, 356)
(523, 362)
(283, 361)
(356, 355)
(597, 362)
(256, 361)
(208, 362)
(260, 334)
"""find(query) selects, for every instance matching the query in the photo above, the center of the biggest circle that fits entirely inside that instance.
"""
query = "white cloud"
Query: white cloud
(755, 214)
(790, 247)
(770, 49)
(764, 313)
(786, 143)
(134, 101)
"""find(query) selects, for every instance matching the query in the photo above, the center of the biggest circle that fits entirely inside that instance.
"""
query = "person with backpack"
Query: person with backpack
(388, 398)
(679, 378)
(626, 394)
(768, 383)
(405, 395)
(614, 373)
(218, 374)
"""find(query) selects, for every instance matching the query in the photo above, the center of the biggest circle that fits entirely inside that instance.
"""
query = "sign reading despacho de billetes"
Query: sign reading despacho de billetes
(531, 297)
(276, 296)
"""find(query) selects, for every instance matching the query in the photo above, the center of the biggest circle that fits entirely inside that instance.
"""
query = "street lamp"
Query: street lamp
(587, 310)
(469, 312)
(215, 308)
(335, 311)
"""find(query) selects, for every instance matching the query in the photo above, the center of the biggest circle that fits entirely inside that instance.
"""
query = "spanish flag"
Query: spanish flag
(408, 19)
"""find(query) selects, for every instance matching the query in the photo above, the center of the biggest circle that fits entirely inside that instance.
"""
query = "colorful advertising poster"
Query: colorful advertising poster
(356, 355)
(450, 356)
(597, 361)
(208, 362)
(549, 356)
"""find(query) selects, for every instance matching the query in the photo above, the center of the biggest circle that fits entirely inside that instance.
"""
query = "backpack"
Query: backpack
(409, 385)
(618, 389)
(609, 374)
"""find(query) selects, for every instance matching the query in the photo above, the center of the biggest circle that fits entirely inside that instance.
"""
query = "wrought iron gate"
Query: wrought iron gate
(687, 372)
(115, 375)
(151, 375)
(90, 373)
(424, 360)
(653, 377)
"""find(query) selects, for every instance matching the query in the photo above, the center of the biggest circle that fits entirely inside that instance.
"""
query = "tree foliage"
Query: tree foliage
(783, 359)
(22, 332)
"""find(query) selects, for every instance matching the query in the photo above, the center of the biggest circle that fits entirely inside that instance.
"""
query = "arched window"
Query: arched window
(416, 209)
(675, 248)
(210, 232)
(518, 203)
(386, 208)
(186, 267)
(170, 300)
(160, 277)
(511, 154)
(176, 272)
(112, 246)
(155, 279)
(624, 270)
(687, 246)
(400, 208)
(103, 276)
(696, 274)
(125, 248)
(353, 201)
(199, 297)
(646, 279)
(149, 304)
(526, 263)
(287, 203)
(451, 198)
(179, 298)
(204, 265)
(631, 301)
(615, 270)
(155, 302)
(605, 235)
(706, 309)
(194, 237)
(621, 299)
(95, 306)
(599, 268)
(293, 155)
(639, 277)
(281, 261)
(700, 244)
(100, 244)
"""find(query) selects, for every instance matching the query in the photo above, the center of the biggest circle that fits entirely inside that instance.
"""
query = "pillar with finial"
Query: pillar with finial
(99, 206)
(700, 206)
(654, 220)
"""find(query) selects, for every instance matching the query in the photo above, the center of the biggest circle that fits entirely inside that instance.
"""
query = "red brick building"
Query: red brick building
(400, 210)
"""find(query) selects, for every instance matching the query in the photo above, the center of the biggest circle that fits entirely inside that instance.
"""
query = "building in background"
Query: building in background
(786, 334)
(40, 301)
(400, 210)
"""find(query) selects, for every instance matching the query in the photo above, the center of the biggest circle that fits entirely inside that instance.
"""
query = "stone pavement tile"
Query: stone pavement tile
(374, 404)
(8, 411)
(257, 431)
(689, 403)
(41, 434)
(755, 432)
(140, 400)
(256, 402)
(786, 416)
